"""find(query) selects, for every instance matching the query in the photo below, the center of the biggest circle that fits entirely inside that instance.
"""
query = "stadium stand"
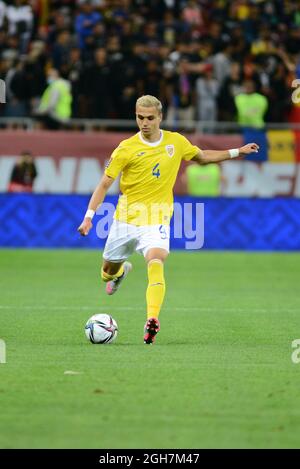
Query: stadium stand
(194, 55)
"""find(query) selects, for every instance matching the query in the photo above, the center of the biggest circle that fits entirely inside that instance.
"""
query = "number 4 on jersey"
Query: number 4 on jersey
(155, 171)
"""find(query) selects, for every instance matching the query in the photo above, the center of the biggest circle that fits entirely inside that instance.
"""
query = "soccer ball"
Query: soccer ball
(101, 329)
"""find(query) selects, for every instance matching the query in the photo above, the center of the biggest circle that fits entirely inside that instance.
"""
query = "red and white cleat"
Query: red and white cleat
(152, 327)
(113, 285)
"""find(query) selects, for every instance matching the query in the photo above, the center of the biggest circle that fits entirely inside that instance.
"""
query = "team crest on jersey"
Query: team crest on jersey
(170, 150)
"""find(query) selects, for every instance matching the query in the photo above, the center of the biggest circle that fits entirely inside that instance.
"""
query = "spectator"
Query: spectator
(17, 91)
(86, 21)
(35, 64)
(136, 67)
(153, 82)
(251, 106)
(192, 14)
(20, 21)
(73, 70)
(23, 174)
(61, 49)
(58, 23)
(207, 89)
(169, 28)
(96, 86)
(280, 95)
(2, 13)
(181, 107)
(221, 63)
(55, 107)
(231, 87)
(127, 102)
(117, 68)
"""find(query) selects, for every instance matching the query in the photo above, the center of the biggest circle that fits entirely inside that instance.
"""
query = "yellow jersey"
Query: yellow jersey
(149, 172)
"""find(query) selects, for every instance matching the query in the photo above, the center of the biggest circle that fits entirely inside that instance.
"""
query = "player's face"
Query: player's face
(148, 120)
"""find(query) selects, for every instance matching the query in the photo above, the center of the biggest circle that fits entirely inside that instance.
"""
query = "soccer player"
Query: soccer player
(148, 162)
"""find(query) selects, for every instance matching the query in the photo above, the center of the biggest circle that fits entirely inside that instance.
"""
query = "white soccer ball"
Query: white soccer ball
(101, 329)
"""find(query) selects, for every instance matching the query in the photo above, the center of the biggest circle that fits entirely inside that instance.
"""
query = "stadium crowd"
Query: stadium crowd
(197, 57)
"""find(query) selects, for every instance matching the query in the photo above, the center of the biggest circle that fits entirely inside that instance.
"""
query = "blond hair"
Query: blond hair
(149, 101)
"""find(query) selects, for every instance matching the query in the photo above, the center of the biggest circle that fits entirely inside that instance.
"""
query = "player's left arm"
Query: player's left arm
(217, 156)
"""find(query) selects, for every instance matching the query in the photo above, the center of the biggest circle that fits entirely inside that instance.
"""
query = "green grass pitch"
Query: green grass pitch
(219, 376)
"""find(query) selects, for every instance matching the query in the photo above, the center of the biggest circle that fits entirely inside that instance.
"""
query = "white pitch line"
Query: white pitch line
(130, 308)
(68, 308)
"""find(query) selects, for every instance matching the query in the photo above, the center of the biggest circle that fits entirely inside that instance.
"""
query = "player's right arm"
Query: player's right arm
(115, 165)
(96, 200)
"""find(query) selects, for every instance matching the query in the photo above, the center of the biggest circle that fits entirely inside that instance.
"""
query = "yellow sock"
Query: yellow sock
(156, 288)
(107, 277)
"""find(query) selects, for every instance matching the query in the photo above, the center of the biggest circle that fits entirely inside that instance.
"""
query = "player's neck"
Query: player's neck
(155, 137)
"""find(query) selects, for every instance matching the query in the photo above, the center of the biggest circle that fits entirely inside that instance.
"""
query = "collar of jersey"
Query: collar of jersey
(151, 144)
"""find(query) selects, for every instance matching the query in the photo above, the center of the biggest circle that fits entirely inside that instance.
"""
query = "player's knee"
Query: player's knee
(156, 254)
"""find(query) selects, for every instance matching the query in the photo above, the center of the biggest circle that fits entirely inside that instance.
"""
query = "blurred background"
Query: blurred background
(226, 73)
